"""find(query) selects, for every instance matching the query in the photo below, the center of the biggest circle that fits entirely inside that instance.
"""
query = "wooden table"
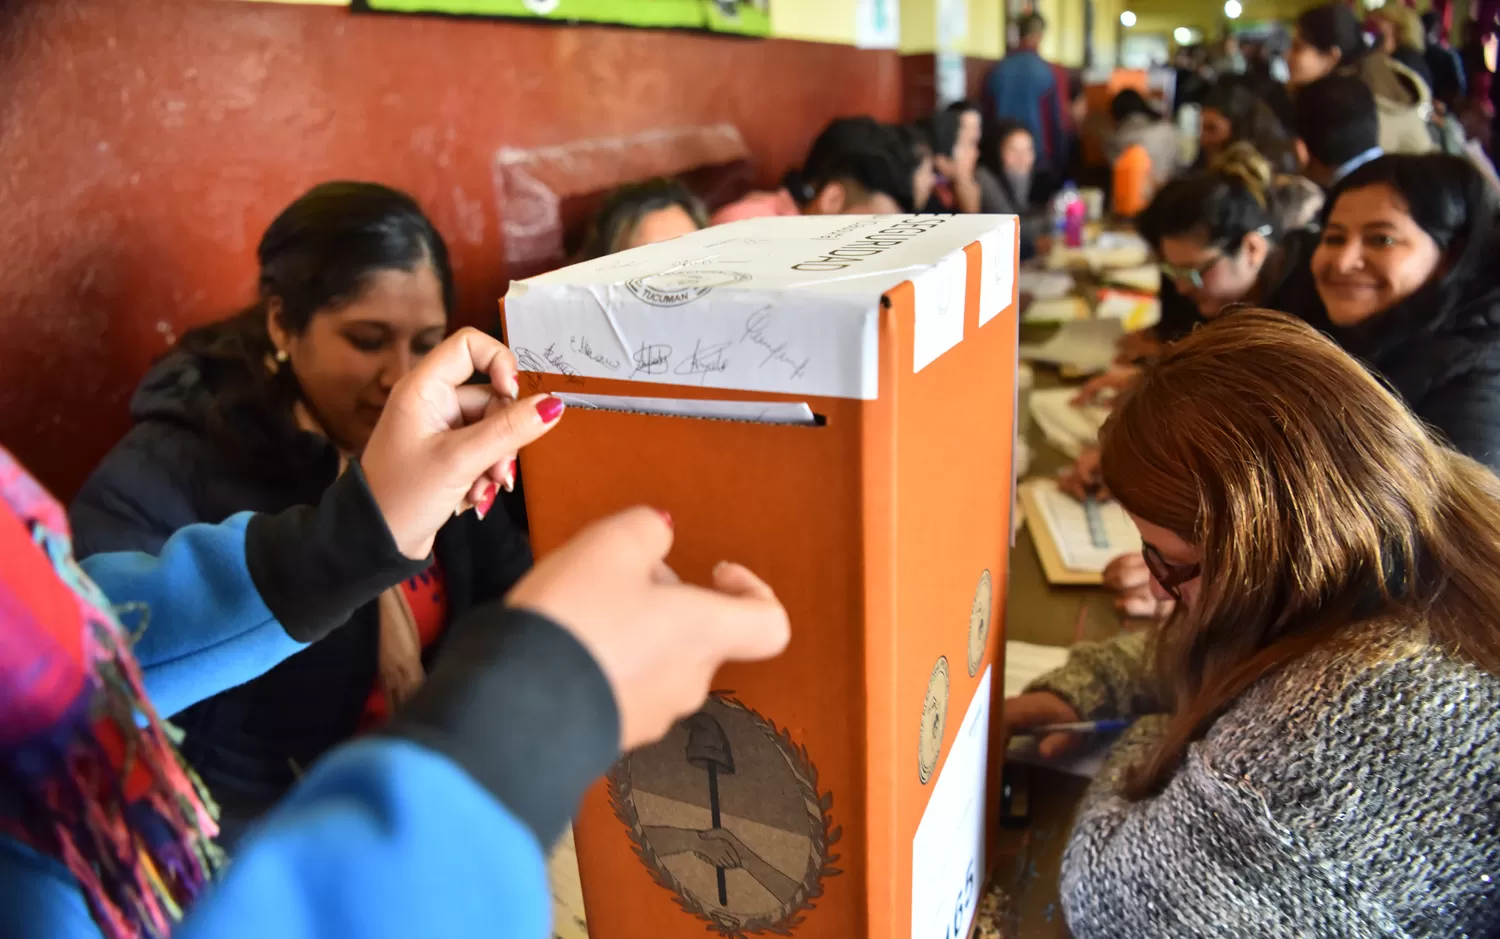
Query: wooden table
(1022, 902)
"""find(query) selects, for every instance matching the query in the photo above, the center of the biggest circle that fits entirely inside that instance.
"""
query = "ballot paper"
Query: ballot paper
(1145, 278)
(1085, 345)
(1025, 662)
(1044, 285)
(1066, 526)
(1136, 311)
(1055, 310)
(1110, 251)
(1066, 426)
(1086, 761)
(1117, 249)
(754, 412)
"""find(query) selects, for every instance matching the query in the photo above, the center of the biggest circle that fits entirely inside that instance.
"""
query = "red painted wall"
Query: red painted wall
(146, 144)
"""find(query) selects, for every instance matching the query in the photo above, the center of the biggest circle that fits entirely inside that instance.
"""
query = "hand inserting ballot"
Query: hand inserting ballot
(657, 641)
(441, 442)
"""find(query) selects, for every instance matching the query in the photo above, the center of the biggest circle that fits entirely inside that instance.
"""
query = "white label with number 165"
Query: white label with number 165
(947, 852)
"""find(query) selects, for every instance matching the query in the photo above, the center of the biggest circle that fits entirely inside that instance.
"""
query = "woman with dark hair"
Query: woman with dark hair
(1313, 749)
(955, 133)
(1233, 113)
(918, 142)
(1330, 39)
(856, 166)
(1009, 183)
(643, 214)
(264, 411)
(1231, 235)
(1405, 276)
(427, 828)
(1237, 234)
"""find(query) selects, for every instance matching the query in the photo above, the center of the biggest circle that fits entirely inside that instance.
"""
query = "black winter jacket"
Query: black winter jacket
(1440, 351)
(199, 452)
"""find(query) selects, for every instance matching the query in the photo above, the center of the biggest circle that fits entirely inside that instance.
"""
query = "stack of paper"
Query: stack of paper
(1064, 542)
(1055, 310)
(1044, 285)
(1084, 345)
(1145, 278)
(1110, 251)
(1136, 311)
(1025, 662)
(1067, 427)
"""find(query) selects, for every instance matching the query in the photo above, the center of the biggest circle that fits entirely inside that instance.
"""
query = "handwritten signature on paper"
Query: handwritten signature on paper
(582, 346)
(531, 367)
(756, 326)
(704, 361)
(560, 365)
(651, 360)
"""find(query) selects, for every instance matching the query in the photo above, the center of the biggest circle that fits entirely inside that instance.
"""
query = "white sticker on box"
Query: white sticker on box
(939, 308)
(947, 852)
(997, 271)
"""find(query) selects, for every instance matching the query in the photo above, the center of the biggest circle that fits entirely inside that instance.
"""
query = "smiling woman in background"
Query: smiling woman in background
(262, 412)
(1406, 275)
(1315, 753)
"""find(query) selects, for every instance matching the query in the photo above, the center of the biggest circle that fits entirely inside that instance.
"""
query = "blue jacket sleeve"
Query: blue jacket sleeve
(383, 839)
(222, 604)
(198, 621)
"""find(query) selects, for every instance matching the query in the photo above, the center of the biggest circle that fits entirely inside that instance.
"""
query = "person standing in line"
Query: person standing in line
(1022, 87)
(1330, 39)
(1449, 84)
(1338, 128)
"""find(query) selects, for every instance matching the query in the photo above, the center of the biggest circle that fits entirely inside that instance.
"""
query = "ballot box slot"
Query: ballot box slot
(777, 413)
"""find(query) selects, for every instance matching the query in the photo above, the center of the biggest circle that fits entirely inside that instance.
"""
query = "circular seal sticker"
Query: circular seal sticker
(979, 621)
(676, 287)
(934, 720)
(726, 813)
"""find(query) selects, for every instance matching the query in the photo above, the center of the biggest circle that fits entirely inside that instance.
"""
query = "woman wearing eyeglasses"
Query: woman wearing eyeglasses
(1235, 233)
(1222, 237)
(1313, 748)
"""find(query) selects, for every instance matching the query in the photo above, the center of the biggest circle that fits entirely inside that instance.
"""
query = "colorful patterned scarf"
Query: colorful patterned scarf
(88, 775)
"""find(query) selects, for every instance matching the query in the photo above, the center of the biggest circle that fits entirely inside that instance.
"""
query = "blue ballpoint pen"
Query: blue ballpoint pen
(1075, 727)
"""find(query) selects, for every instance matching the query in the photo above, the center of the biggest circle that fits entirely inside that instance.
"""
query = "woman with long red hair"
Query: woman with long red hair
(1315, 751)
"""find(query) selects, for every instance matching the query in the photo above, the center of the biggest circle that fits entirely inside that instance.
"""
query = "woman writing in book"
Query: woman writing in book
(264, 411)
(1313, 750)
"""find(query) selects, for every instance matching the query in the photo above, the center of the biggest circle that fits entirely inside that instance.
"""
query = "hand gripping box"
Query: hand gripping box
(831, 401)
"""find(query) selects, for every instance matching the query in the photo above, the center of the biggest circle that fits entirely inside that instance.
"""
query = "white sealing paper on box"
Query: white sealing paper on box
(786, 305)
(938, 314)
(947, 852)
(997, 271)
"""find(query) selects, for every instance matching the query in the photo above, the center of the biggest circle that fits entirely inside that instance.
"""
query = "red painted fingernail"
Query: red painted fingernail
(550, 408)
(510, 476)
(665, 516)
(487, 501)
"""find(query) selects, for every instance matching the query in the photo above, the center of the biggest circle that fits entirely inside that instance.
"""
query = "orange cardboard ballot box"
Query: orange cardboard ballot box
(831, 401)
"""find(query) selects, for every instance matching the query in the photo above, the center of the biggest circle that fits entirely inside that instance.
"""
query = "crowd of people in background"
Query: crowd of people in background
(1314, 487)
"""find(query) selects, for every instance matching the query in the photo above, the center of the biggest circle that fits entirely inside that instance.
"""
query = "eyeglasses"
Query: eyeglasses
(1193, 275)
(1170, 576)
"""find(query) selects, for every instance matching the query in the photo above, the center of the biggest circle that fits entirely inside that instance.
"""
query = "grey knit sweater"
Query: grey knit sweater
(1355, 793)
